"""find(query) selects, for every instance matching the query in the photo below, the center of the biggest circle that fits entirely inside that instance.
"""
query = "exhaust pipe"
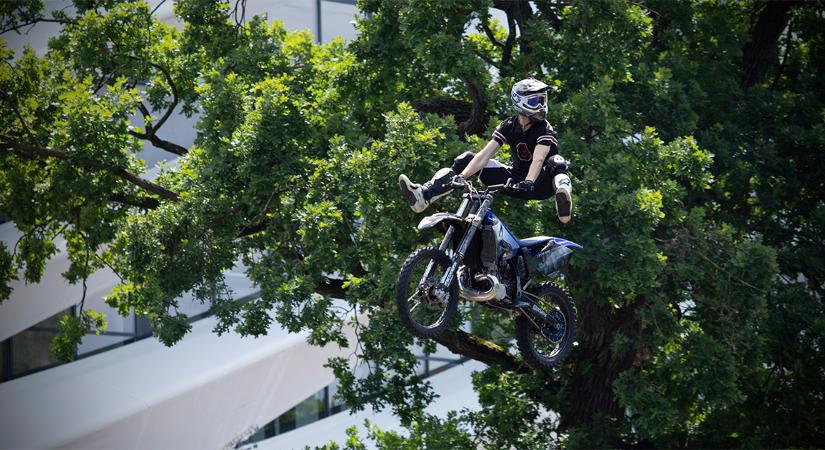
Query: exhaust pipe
(496, 291)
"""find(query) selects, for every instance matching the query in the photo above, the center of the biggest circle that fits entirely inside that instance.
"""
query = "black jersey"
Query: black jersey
(523, 144)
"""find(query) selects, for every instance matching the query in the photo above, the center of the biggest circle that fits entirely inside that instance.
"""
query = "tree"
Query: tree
(699, 290)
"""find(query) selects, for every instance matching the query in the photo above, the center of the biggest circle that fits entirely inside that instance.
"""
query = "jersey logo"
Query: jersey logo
(523, 152)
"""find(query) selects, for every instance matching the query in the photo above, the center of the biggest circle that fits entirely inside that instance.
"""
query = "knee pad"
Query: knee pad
(444, 174)
(557, 164)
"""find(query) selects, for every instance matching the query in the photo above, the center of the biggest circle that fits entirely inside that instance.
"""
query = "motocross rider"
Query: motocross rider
(538, 169)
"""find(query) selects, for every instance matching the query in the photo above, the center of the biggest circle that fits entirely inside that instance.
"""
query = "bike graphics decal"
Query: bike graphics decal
(523, 152)
(566, 243)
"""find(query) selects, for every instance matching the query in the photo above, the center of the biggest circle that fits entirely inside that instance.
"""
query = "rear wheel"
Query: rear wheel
(425, 309)
(544, 344)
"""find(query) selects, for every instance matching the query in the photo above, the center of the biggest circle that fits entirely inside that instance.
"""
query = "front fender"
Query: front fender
(437, 218)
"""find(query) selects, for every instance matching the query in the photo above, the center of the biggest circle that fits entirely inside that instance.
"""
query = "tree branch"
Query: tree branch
(239, 11)
(331, 287)
(546, 9)
(788, 45)
(507, 51)
(518, 12)
(486, 59)
(17, 27)
(152, 129)
(137, 202)
(474, 347)
(458, 342)
(174, 89)
(93, 166)
(252, 229)
(490, 35)
(444, 106)
(477, 122)
(162, 144)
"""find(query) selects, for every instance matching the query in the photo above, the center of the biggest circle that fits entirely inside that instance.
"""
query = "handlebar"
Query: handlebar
(507, 186)
(492, 189)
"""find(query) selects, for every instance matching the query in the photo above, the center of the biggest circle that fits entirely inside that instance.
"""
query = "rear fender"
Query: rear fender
(557, 242)
(552, 258)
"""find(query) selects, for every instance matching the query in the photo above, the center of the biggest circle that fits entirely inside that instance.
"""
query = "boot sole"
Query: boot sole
(563, 205)
(408, 193)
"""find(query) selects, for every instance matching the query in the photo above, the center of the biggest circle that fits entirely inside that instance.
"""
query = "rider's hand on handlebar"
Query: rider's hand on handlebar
(524, 186)
(458, 182)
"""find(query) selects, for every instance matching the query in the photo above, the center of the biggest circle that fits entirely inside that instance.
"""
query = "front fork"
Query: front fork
(442, 292)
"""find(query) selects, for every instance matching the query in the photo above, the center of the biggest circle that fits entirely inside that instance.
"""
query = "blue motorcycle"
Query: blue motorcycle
(480, 260)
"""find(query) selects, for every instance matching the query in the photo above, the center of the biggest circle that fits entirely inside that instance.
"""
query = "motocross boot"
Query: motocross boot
(564, 197)
(419, 196)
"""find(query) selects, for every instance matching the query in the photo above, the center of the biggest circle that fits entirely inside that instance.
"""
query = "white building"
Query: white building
(127, 390)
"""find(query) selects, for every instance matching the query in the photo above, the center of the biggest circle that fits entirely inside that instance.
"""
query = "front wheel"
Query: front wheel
(544, 344)
(424, 308)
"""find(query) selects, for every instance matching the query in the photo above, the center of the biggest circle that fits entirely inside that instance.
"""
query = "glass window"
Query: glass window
(336, 403)
(311, 409)
(286, 422)
(5, 360)
(30, 349)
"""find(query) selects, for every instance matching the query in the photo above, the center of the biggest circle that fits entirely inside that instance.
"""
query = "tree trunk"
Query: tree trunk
(591, 395)
(761, 52)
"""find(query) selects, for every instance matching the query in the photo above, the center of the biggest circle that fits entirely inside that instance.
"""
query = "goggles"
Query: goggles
(535, 100)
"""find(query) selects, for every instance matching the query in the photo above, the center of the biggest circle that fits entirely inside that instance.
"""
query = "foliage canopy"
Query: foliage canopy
(695, 130)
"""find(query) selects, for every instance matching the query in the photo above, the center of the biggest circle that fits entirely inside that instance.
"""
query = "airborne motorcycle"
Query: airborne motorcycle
(480, 260)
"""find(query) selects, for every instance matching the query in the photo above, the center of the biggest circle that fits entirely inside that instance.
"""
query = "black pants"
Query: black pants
(497, 173)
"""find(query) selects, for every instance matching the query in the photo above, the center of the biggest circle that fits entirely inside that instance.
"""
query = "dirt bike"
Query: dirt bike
(482, 261)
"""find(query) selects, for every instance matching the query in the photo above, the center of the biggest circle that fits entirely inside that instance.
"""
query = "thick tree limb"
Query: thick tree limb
(506, 46)
(445, 106)
(252, 229)
(788, 46)
(162, 144)
(93, 166)
(760, 53)
(332, 288)
(458, 342)
(546, 7)
(482, 350)
(137, 202)
(520, 12)
(477, 122)
(471, 118)
(507, 50)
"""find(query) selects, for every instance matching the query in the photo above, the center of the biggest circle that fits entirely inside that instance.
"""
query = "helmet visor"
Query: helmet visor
(535, 101)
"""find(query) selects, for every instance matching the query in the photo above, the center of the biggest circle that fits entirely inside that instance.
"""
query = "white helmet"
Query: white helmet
(530, 98)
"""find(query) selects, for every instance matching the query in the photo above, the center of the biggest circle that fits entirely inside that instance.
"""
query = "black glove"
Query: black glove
(525, 186)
